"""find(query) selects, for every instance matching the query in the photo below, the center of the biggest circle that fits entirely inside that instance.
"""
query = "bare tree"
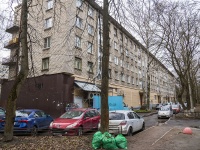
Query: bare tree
(141, 21)
(179, 24)
(11, 102)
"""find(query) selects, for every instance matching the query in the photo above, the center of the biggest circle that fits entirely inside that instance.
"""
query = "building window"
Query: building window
(49, 4)
(78, 42)
(115, 31)
(79, 3)
(127, 54)
(90, 48)
(115, 45)
(116, 75)
(90, 11)
(47, 42)
(90, 29)
(121, 63)
(110, 58)
(121, 36)
(126, 40)
(128, 79)
(133, 82)
(48, 23)
(109, 73)
(122, 77)
(78, 63)
(116, 60)
(90, 67)
(45, 63)
(121, 49)
(79, 22)
(137, 81)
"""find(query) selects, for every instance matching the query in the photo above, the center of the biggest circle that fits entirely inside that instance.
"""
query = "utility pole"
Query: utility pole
(105, 65)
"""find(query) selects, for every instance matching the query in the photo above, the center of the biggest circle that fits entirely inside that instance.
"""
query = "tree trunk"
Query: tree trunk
(11, 102)
(148, 90)
(105, 77)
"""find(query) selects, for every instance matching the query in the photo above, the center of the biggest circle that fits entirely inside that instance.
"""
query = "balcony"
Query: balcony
(13, 28)
(9, 61)
(14, 43)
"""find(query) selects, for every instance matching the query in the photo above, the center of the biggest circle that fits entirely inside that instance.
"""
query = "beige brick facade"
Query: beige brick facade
(128, 59)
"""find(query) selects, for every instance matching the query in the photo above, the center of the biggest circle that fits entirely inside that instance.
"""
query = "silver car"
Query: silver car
(125, 122)
(165, 112)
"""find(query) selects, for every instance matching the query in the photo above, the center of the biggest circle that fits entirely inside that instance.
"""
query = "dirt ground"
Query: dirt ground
(154, 138)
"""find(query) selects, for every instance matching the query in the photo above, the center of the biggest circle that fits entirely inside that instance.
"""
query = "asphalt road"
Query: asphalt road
(164, 134)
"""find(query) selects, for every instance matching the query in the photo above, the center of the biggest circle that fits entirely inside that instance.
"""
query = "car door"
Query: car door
(132, 121)
(139, 121)
(87, 121)
(95, 118)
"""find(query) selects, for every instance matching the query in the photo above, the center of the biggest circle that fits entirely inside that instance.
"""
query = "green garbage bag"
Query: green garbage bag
(97, 140)
(108, 141)
(121, 141)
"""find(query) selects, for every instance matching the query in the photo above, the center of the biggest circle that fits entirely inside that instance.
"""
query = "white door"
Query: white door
(79, 101)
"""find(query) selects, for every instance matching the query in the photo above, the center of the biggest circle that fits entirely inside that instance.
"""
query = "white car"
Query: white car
(165, 112)
(125, 122)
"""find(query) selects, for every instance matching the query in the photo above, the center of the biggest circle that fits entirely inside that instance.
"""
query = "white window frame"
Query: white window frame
(90, 67)
(90, 29)
(90, 48)
(90, 11)
(116, 60)
(79, 22)
(78, 63)
(115, 45)
(47, 42)
(48, 23)
(49, 4)
(78, 41)
(133, 80)
(45, 63)
(79, 3)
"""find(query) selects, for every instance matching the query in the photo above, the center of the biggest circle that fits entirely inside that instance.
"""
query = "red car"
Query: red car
(76, 121)
(176, 108)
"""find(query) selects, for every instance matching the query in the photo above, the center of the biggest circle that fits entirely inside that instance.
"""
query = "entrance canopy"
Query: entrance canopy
(87, 86)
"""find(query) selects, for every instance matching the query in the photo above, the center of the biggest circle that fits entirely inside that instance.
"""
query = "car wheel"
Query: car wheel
(130, 132)
(34, 131)
(80, 131)
(143, 126)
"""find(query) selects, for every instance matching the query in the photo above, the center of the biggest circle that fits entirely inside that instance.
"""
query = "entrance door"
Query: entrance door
(78, 100)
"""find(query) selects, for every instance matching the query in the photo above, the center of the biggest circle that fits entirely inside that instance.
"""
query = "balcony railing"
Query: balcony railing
(9, 61)
(14, 43)
(12, 28)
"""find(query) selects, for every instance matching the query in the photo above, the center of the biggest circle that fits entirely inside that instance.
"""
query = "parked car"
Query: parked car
(158, 106)
(125, 122)
(176, 108)
(29, 121)
(76, 121)
(165, 112)
(2, 112)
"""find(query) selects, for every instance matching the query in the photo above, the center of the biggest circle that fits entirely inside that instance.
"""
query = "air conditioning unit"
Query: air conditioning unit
(91, 94)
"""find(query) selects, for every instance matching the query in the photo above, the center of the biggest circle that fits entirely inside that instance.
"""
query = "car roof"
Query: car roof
(29, 110)
(83, 109)
(121, 111)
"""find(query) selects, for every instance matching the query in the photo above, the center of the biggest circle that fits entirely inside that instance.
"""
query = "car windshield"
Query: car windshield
(22, 113)
(2, 112)
(164, 108)
(72, 114)
(116, 116)
(174, 106)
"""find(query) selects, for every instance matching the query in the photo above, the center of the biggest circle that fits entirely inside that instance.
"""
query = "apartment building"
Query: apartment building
(65, 58)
